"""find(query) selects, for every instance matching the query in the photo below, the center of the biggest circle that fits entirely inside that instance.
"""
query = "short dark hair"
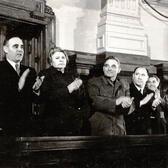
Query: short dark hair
(143, 68)
(8, 38)
(113, 58)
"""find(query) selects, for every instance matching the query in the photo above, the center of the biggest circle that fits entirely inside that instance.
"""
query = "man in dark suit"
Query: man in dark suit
(16, 96)
(138, 120)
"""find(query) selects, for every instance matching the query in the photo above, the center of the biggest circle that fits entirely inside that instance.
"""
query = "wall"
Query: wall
(157, 31)
(76, 24)
(76, 27)
(29, 4)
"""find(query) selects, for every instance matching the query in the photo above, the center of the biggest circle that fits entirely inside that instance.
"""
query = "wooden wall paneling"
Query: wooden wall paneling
(35, 25)
(41, 50)
(36, 54)
(29, 53)
(50, 37)
(45, 56)
(32, 60)
(25, 52)
(2, 38)
(85, 152)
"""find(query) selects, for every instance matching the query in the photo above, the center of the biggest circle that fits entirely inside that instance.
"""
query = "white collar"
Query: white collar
(12, 63)
(140, 89)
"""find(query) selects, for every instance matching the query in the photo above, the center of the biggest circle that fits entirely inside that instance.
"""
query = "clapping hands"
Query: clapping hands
(156, 102)
(38, 83)
(22, 79)
(125, 102)
(146, 99)
(75, 85)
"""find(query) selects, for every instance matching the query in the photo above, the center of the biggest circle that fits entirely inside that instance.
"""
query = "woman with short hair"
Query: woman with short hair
(63, 97)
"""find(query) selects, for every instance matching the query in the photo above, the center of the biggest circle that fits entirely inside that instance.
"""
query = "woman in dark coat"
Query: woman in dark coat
(63, 97)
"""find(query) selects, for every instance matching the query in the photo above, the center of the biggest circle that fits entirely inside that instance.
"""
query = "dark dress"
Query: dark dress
(15, 106)
(63, 112)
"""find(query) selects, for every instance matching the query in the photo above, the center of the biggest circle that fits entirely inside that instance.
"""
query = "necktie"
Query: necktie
(17, 66)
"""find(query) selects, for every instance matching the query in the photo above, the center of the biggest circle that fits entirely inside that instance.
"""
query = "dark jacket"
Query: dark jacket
(138, 122)
(15, 106)
(63, 112)
(158, 117)
(108, 119)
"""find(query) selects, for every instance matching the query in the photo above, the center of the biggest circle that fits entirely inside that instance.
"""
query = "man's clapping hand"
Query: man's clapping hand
(22, 79)
(125, 102)
(146, 99)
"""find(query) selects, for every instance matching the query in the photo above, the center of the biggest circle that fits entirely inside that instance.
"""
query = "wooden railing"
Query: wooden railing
(85, 152)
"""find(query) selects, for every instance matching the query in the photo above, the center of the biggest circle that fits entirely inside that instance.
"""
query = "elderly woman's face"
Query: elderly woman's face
(58, 60)
(152, 83)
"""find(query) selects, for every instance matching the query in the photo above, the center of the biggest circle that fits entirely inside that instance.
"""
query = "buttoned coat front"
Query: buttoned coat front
(138, 122)
(108, 119)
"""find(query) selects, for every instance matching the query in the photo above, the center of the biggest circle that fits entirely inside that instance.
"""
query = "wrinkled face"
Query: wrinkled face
(111, 68)
(58, 60)
(140, 77)
(152, 83)
(14, 49)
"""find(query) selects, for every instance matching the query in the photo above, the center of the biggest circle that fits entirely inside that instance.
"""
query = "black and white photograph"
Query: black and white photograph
(83, 83)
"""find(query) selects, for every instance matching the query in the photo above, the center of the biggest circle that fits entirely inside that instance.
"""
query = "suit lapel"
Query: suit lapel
(22, 69)
(11, 69)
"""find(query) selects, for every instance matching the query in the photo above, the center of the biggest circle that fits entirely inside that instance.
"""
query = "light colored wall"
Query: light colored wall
(157, 32)
(76, 27)
(76, 23)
